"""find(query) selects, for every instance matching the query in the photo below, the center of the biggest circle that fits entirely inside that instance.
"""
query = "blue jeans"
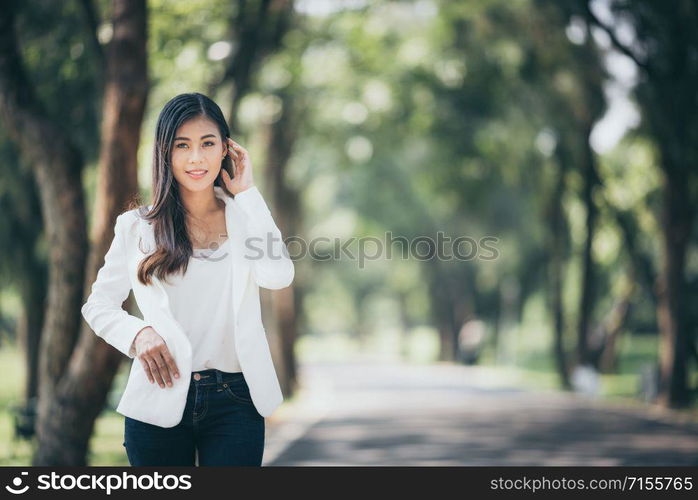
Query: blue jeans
(219, 422)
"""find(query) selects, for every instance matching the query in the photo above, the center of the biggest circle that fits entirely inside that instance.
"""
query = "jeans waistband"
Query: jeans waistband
(213, 377)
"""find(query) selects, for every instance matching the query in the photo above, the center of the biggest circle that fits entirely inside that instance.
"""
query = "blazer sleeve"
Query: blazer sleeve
(271, 269)
(103, 310)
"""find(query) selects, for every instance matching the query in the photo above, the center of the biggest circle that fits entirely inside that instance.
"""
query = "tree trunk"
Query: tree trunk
(642, 266)
(33, 299)
(605, 357)
(677, 220)
(406, 325)
(281, 137)
(587, 293)
(443, 310)
(56, 164)
(67, 415)
(558, 229)
(22, 209)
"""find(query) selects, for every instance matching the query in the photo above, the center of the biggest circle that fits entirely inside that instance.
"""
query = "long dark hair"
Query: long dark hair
(168, 214)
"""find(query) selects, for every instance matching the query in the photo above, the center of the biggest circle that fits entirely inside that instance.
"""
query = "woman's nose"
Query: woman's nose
(195, 155)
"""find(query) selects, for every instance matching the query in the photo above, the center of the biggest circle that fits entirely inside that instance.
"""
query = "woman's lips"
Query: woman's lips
(197, 174)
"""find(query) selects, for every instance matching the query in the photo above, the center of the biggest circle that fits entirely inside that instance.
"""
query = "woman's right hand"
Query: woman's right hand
(153, 353)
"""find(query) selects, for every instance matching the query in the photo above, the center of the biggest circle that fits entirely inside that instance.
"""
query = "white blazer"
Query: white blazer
(259, 258)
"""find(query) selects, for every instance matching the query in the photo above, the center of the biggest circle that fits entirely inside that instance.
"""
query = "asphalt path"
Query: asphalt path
(395, 414)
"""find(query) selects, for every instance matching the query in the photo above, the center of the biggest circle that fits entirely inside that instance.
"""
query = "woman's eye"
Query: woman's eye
(182, 144)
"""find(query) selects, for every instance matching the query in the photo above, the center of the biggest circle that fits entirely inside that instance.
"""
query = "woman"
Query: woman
(202, 379)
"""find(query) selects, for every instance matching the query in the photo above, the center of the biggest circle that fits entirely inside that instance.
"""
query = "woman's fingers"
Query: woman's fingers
(239, 168)
(156, 359)
(154, 369)
(235, 148)
(146, 368)
(226, 177)
(228, 181)
(231, 147)
(241, 177)
(170, 362)
(162, 368)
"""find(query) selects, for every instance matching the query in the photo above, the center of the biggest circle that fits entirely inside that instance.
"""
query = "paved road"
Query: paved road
(391, 414)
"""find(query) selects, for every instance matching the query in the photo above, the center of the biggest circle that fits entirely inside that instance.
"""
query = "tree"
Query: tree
(85, 385)
(663, 48)
(76, 371)
(56, 165)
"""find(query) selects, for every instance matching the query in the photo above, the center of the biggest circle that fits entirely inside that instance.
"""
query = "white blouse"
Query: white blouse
(201, 301)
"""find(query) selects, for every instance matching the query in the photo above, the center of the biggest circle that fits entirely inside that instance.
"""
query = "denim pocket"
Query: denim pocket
(238, 391)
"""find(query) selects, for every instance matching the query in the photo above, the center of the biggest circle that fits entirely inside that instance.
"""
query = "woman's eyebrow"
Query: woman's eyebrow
(187, 138)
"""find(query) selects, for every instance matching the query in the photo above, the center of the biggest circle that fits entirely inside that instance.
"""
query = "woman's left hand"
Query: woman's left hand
(242, 169)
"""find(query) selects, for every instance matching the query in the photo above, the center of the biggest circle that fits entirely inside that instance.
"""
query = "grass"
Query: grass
(105, 445)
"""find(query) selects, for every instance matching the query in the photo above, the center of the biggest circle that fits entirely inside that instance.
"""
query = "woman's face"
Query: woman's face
(197, 153)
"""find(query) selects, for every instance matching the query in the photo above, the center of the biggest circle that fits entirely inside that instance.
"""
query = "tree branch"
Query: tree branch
(614, 39)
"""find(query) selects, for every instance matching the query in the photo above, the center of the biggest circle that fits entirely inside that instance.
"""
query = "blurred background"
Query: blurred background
(557, 140)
